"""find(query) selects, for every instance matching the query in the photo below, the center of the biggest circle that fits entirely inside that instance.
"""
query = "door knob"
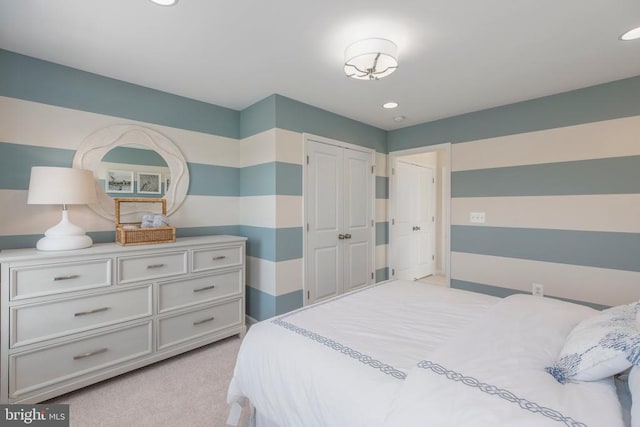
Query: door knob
(341, 236)
(417, 228)
(347, 236)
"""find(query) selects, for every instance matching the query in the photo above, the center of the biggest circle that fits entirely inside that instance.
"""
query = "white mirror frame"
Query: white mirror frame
(96, 145)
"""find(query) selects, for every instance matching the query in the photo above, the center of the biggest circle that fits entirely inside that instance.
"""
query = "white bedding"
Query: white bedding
(407, 354)
(341, 362)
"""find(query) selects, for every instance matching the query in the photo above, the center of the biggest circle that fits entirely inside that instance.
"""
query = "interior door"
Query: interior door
(324, 218)
(357, 219)
(339, 238)
(413, 221)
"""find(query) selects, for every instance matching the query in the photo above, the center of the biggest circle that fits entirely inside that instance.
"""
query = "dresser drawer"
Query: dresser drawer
(197, 290)
(36, 369)
(46, 279)
(146, 267)
(212, 258)
(176, 329)
(32, 323)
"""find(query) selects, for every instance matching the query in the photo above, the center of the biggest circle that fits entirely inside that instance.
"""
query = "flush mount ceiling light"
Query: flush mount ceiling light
(370, 59)
(165, 2)
(399, 118)
(631, 34)
(389, 105)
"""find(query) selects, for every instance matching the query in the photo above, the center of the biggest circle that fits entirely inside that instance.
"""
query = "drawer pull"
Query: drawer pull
(204, 289)
(155, 266)
(200, 322)
(69, 277)
(219, 257)
(89, 354)
(97, 310)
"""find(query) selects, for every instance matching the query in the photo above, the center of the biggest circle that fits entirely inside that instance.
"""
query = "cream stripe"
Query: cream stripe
(257, 149)
(289, 276)
(32, 123)
(381, 256)
(271, 211)
(381, 164)
(274, 278)
(609, 212)
(205, 211)
(289, 146)
(610, 138)
(589, 284)
(382, 214)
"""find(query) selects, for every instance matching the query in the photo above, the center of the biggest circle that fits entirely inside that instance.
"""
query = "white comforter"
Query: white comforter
(493, 375)
(341, 362)
(408, 354)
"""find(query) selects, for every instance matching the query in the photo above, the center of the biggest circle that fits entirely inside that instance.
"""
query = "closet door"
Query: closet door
(339, 215)
(323, 197)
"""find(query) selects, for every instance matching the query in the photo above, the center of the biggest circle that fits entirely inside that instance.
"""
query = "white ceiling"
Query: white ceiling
(456, 56)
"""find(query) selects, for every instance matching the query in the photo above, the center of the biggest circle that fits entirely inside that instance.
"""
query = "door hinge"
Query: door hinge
(307, 159)
(393, 221)
(307, 227)
(372, 223)
(372, 274)
(433, 219)
(373, 168)
(433, 257)
(433, 180)
(393, 272)
(308, 295)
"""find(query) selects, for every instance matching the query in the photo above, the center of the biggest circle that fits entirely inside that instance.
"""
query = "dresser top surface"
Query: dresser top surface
(10, 255)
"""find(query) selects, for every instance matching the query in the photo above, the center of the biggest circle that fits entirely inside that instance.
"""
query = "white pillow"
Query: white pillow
(600, 346)
(634, 389)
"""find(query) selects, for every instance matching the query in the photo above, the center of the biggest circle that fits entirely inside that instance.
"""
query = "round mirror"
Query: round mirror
(133, 161)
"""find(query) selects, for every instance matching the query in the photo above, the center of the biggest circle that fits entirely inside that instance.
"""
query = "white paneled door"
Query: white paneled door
(413, 221)
(339, 213)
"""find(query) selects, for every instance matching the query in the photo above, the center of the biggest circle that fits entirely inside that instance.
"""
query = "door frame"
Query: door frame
(372, 203)
(446, 202)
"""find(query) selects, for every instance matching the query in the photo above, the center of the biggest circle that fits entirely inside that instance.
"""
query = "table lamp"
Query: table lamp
(62, 186)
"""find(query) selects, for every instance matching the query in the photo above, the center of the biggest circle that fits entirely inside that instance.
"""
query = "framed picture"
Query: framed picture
(149, 183)
(119, 181)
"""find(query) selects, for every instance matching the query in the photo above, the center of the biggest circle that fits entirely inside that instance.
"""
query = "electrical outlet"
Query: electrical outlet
(477, 217)
(537, 289)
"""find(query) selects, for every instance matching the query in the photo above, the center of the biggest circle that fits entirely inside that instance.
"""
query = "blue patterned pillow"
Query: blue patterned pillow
(600, 346)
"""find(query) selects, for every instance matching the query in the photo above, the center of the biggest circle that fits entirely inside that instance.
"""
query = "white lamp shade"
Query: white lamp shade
(371, 59)
(61, 186)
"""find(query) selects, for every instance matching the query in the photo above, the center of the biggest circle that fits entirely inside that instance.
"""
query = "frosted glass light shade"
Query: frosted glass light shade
(62, 186)
(370, 59)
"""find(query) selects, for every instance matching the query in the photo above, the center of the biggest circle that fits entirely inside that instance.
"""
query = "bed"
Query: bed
(402, 353)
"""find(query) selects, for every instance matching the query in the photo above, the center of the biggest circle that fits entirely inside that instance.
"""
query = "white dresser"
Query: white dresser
(73, 318)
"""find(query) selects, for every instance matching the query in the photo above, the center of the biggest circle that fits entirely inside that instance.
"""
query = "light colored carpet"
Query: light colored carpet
(188, 390)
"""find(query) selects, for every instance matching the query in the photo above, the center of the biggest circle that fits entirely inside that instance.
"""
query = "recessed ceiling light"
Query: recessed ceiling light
(631, 34)
(165, 2)
(389, 105)
(399, 118)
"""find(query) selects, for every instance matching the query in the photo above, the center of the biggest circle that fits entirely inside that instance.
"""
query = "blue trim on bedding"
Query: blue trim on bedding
(500, 392)
(347, 351)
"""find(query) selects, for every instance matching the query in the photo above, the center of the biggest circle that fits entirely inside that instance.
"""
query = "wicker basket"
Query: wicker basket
(142, 236)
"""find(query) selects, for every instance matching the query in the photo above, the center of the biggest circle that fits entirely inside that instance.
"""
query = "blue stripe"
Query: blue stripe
(212, 180)
(382, 187)
(617, 175)
(135, 156)
(299, 117)
(382, 274)
(497, 291)
(602, 102)
(618, 251)
(382, 233)
(260, 305)
(273, 244)
(273, 178)
(258, 117)
(16, 161)
(35, 80)
(289, 302)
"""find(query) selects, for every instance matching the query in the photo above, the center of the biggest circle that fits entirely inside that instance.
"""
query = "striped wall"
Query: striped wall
(560, 188)
(245, 166)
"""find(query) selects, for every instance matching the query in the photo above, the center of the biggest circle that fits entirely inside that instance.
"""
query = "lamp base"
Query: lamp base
(63, 243)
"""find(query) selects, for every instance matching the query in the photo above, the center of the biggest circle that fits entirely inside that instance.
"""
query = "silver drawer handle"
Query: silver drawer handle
(155, 266)
(89, 354)
(200, 322)
(204, 289)
(219, 257)
(97, 310)
(69, 277)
